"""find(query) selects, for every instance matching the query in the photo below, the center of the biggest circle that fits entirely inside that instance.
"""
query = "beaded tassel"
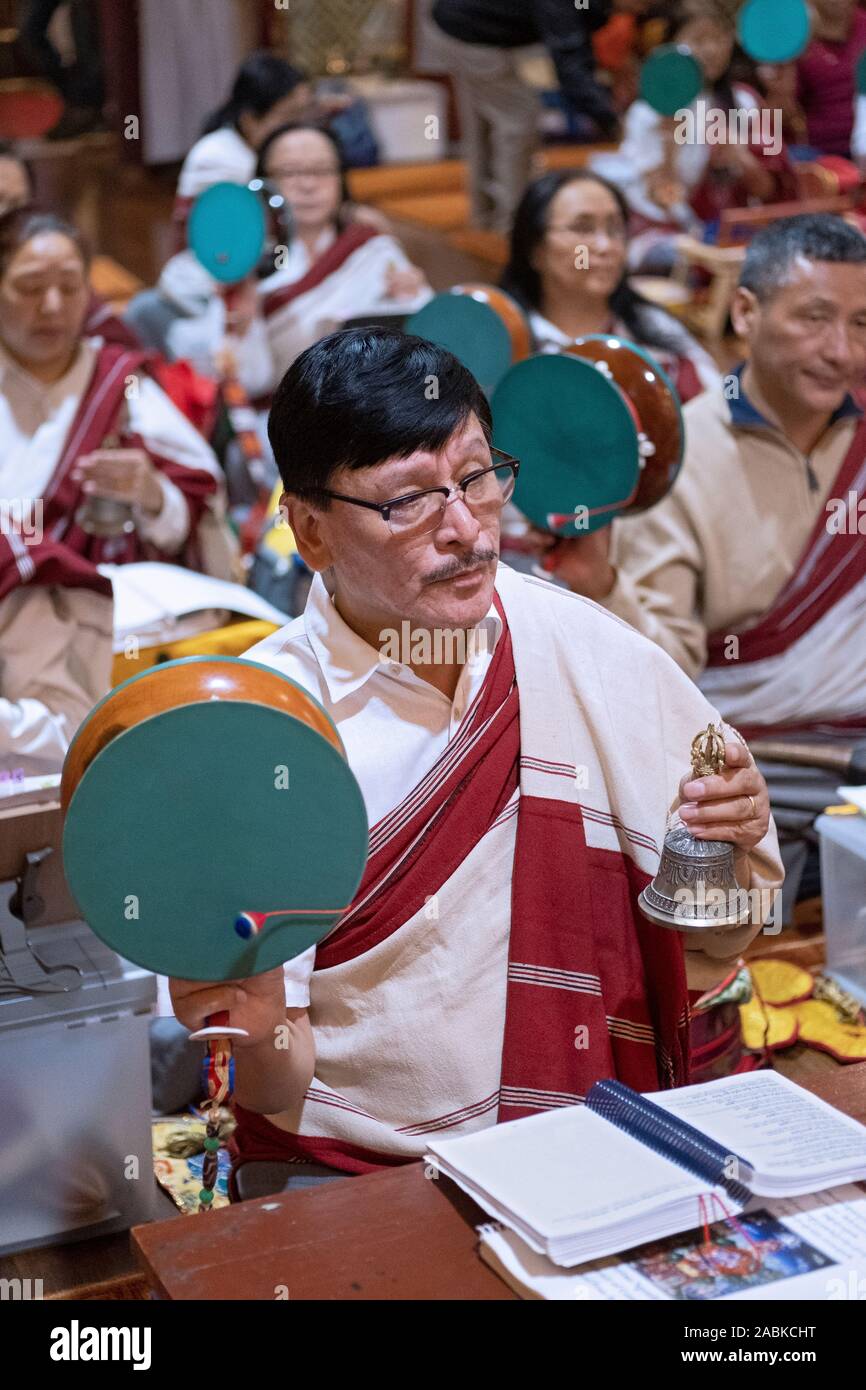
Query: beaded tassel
(219, 1058)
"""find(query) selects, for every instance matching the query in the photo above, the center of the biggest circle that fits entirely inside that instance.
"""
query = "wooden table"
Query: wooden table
(390, 1235)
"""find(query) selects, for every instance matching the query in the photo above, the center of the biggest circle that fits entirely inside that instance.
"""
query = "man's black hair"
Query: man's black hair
(817, 236)
(364, 395)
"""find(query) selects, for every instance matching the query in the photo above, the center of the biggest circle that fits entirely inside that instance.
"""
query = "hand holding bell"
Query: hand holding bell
(730, 802)
(115, 480)
(724, 802)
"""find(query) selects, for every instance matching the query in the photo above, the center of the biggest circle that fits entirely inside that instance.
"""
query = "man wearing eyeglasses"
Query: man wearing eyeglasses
(494, 962)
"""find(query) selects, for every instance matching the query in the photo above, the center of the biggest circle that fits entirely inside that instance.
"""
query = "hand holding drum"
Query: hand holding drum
(256, 1005)
(599, 432)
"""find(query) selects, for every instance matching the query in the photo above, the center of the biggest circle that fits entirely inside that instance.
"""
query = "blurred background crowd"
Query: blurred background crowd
(409, 145)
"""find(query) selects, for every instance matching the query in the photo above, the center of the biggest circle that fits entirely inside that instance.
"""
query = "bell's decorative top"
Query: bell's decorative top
(708, 751)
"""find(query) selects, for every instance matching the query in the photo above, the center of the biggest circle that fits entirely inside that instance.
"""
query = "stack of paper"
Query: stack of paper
(576, 1187)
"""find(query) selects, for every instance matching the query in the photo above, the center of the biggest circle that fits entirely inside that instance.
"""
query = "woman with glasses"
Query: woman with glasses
(336, 267)
(567, 267)
(339, 263)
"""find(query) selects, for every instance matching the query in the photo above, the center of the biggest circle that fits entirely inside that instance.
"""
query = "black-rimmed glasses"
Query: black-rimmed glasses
(484, 492)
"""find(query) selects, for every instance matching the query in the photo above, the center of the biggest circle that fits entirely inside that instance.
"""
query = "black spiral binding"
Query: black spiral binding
(668, 1136)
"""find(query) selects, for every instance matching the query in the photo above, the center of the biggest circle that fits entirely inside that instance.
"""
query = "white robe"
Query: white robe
(358, 288)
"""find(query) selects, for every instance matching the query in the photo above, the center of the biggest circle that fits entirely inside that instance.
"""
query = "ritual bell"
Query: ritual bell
(105, 517)
(695, 888)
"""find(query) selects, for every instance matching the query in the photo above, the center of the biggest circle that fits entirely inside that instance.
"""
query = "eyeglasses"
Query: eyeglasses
(484, 492)
(314, 171)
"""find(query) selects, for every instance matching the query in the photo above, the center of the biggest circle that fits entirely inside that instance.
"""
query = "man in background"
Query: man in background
(480, 40)
(751, 573)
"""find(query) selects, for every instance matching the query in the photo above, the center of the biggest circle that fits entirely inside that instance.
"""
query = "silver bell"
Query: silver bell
(695, 888)
(105, 517)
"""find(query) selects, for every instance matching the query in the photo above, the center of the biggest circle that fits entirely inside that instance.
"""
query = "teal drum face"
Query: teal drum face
(479, 336)
(215, 840)
(576, 436)
(226, 231)
(774, 31)
(671, 79)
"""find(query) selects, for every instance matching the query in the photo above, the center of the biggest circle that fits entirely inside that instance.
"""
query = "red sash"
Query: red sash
(67, 555)
(102, 322)
(829, 567)
(574, 924)
(349, 240)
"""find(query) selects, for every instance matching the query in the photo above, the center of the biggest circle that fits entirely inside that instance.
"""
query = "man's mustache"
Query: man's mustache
(470, 562)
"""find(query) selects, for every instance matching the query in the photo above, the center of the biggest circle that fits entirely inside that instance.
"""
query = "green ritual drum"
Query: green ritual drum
(213, 828)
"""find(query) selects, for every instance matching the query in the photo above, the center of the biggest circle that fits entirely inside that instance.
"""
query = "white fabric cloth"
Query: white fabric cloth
(393, 724)
(223, 156)
(266, 351)
(358, 287)
(409, 1033)
(820, 677)
(200, 334)
(35, 419)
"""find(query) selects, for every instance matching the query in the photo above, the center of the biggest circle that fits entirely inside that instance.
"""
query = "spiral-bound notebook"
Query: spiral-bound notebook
(585, 1181)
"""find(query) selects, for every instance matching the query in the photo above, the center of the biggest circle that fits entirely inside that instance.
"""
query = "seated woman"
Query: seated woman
(82, 419)
(673, 187)
(79, 419)
(188, 314)
(570, 209)
(336, 267)
(220, 327)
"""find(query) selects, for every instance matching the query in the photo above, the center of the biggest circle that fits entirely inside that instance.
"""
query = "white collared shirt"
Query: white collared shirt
(393, 724)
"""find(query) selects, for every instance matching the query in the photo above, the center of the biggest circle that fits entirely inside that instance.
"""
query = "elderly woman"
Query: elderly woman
(567, 267)
(336, 268)
(79, 419)
(340, 264)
